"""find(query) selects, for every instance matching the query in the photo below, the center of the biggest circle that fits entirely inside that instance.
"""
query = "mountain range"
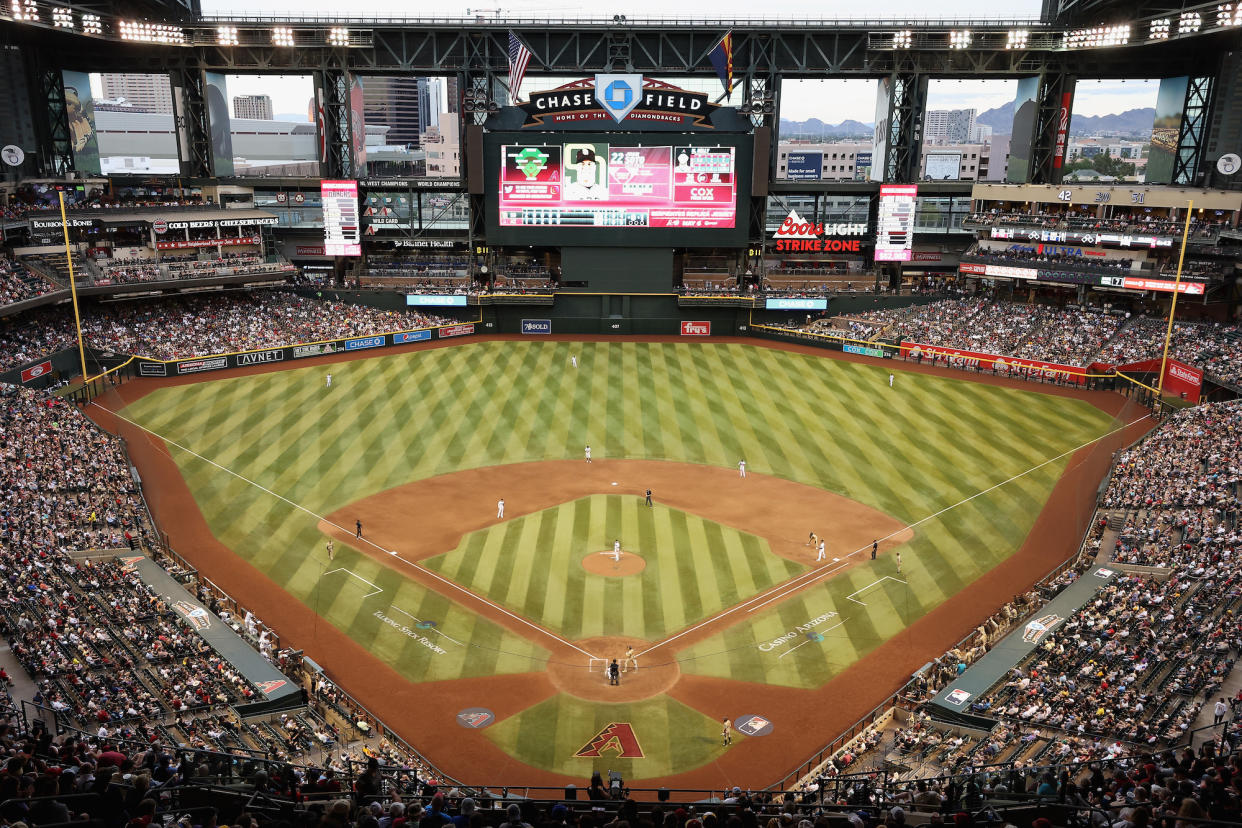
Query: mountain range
(1000, 119)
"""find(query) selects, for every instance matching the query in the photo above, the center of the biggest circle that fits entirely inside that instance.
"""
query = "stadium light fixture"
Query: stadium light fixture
(1189, 23)
(282, 36)
(1098, 36)
(226, 35)
(338, 36)
(1158, 29)
(960, 39)
(62, 18)
(1228, 15)
(91, 24)
(1018, 38)
(903, 39)
(152, 33)
(24, 11)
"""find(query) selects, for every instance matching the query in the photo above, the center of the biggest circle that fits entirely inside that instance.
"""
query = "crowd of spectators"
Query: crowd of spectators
(17, 284)
(1022, 257)
(1064, 335)
(1212, 346)
(1131, 224)
(195, 326)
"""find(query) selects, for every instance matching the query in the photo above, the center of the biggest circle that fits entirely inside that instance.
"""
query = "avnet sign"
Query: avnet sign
(260, 357)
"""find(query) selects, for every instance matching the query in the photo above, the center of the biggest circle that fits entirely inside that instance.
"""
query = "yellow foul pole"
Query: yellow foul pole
(73, 288)
(1177, 286)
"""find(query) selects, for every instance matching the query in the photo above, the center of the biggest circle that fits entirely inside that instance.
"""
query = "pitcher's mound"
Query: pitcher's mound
(601, 563)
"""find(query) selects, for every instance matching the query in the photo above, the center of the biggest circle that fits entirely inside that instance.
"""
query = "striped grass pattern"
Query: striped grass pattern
(533, 565)
(909, 451)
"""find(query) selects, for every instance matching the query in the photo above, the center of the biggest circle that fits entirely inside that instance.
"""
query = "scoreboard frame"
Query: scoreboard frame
(617, 236)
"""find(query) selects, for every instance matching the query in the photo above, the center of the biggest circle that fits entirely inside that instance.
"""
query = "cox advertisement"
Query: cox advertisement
(606, 185)
(1002, 364)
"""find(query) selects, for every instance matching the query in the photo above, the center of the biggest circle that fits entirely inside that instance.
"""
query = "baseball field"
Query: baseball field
(484, 640)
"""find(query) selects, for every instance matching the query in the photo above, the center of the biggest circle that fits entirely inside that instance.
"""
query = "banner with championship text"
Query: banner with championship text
(1001, 364)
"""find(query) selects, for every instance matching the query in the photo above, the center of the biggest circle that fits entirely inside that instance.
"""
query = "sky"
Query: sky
(719, 9)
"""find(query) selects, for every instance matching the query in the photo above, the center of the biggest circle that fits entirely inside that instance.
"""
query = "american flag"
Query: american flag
(519, 56)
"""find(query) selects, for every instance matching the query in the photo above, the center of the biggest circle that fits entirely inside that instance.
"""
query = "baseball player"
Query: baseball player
(649, 497)
(726, 732)
(898, 553)
(573, 360)
(500, 508)
(890, 380)
(813, 540)
(331, 550)
(875, 546)
(821, 554)
(616, 553)
(329, 385)
(588, 454)
(741, 468)
(630, 660)
(357, 528)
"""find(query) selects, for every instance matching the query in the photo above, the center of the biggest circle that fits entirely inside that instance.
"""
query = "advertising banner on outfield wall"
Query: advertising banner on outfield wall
(1002, 364)
(199, 365)
(1179, 378)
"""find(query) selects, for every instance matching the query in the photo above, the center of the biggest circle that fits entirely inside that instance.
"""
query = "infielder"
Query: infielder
(329, 385)
(630, 660)
(500, 508)
(588, 454)
(726, 732)
(821, 555)
(741, 468)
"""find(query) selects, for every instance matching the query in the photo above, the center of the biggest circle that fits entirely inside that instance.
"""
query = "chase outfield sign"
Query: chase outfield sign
(621, 99)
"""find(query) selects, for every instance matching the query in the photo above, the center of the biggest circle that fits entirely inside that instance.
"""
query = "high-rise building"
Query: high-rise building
(443, 148)
(949, 126)
(407, 106)
(144, 93)
(257, 107)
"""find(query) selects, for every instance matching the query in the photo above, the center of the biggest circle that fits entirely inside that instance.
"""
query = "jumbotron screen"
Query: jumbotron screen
(657, 189)
(601, 185)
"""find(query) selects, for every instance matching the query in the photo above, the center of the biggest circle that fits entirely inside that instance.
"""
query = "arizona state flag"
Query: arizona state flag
(722, 58)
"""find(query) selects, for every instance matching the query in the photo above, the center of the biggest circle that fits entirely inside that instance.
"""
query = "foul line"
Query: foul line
(302, 508)
(433, 629)
(375, 590)
(808, 578)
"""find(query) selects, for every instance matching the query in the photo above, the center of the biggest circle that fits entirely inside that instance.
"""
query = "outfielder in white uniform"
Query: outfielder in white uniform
(890, 380)
(573, 360)
(588, 454)
(329, 385)
(500, 508)
(741, 468)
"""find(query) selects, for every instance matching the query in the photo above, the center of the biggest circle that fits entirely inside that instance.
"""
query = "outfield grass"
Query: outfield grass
(695, 567)
(909, 451)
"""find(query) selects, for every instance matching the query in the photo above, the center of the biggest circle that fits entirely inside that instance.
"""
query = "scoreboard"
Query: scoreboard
(595, 184)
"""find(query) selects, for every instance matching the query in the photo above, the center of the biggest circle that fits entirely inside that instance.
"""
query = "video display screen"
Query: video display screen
(580, 184)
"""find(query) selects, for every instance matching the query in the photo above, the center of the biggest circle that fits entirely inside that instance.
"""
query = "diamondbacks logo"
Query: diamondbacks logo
(269, 687)
(618, 738)
(129, 562)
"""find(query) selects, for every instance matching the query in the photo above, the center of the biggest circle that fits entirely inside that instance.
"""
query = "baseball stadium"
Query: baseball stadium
(514, 417)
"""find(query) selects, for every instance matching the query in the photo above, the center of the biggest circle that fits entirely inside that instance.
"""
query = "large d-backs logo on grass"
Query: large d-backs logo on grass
(618, 738)
(618, 94)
